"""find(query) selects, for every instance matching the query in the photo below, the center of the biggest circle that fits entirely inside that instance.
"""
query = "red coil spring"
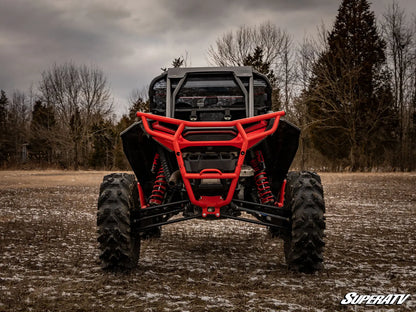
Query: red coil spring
(262, 181)
(156, 162)
(159, 188)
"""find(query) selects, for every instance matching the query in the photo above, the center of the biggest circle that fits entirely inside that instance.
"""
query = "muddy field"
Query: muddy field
(48, 252)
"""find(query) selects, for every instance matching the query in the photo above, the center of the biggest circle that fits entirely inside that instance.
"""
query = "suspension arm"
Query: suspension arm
(166, 222)
(256, 222)
(261, 208)
(266, 213)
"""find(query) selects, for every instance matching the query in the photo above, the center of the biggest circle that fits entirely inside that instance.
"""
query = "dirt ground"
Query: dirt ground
(49, 256)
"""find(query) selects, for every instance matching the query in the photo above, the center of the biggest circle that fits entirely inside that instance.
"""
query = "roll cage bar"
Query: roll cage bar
(182, 74)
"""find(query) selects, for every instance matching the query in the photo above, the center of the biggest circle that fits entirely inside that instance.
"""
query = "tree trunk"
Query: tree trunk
(355, 157)
(76, 155)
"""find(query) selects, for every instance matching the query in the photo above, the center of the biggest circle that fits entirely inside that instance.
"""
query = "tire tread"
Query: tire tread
(304, 247)
(118, 243)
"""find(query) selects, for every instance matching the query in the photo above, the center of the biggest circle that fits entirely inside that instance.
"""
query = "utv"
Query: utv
(211, 148)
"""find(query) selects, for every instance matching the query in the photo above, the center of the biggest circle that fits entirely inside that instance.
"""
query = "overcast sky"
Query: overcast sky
(131, 40)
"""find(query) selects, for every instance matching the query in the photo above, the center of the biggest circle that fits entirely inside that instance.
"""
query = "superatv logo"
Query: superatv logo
(354, 298)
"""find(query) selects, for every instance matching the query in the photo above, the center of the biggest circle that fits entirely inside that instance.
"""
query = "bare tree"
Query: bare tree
(234, 46)
(306, 57)
(17, 123)
(79, 94)
(400, 38)
(286, 71)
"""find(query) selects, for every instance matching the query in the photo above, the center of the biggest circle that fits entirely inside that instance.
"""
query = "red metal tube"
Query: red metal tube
(245, 139)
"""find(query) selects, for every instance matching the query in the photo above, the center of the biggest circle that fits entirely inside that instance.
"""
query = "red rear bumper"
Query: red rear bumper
(260, 127)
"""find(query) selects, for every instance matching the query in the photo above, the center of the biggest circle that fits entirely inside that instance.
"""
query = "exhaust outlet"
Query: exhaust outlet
(174, 178)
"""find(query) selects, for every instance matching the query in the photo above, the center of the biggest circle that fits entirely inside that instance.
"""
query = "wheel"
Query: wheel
(118, 238)
(304, 246)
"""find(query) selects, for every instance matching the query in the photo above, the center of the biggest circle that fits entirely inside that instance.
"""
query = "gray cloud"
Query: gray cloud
(130, 41)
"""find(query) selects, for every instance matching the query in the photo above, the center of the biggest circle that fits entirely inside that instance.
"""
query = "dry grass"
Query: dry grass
(48, 252)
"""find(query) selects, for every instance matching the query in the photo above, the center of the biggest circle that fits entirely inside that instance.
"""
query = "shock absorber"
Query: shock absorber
(160, 184)
(155, 164)
(262, 181)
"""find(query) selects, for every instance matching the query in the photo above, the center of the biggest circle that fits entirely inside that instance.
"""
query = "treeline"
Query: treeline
(68, 122)
(351, 90)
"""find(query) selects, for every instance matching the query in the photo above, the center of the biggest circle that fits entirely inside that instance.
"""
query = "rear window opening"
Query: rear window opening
(210, 98)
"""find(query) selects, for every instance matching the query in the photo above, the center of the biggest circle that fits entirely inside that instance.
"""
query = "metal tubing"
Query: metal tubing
(244, 140)
(160, 214)
(255, 222)
(168, 222)
(277, 209)
(266, 213)
(165, 205)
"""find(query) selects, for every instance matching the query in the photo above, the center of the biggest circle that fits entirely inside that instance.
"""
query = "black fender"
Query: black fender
(279, 150)
(140, 150)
